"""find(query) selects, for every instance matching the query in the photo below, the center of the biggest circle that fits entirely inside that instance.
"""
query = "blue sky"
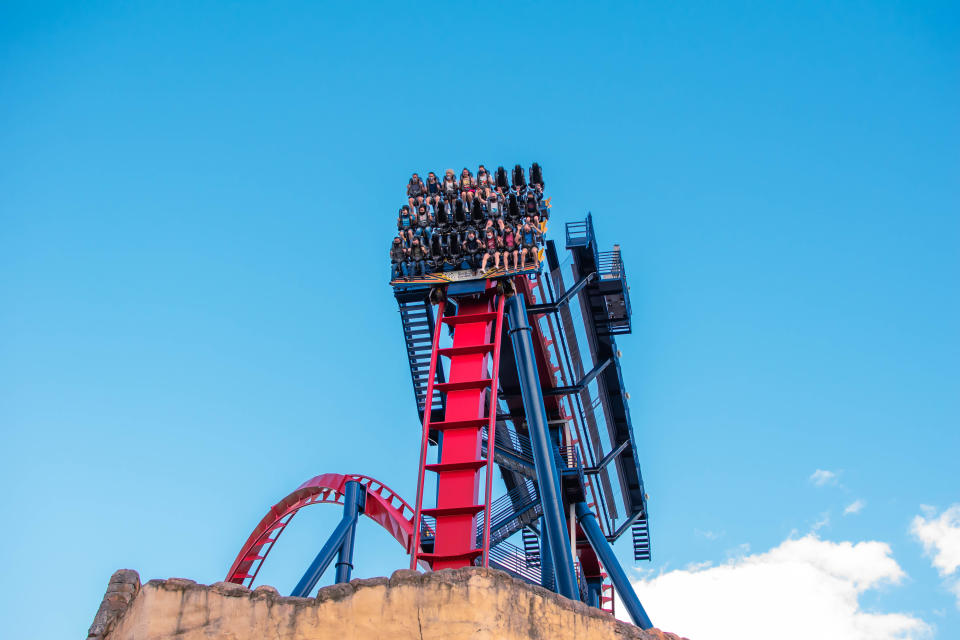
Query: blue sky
(196, 203)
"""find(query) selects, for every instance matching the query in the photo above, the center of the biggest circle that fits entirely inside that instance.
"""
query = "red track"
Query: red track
(471, 403)
(383, 506)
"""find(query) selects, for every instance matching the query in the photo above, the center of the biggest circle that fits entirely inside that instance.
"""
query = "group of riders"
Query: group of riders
(469, 222)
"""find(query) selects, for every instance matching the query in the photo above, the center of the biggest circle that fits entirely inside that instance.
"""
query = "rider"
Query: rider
(424, 223)
(450, 187)
(405, 223)
(484, 180)
(492, 245)
(398, 255)
(433, 188)
(416, 259)
(528, 240)
(468, 186)
(532, 208)
(472, 248)
(510, 248)
(415, 190)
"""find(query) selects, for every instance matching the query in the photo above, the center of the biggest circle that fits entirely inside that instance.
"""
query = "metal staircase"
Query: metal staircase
(606, 595)
(640, 531)
(531, 547)
(513, 560)
(416, 315)
(512, 512)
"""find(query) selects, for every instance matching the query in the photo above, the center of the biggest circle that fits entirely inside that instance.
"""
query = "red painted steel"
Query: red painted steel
(458, 492)
(470, 405)
(383, 506)
(492, 428)
(414, 548)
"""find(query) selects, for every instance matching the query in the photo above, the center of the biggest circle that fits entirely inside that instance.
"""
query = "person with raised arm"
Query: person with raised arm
(529, 236)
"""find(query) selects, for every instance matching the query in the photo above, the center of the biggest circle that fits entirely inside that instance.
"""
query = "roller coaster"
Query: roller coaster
(548, 418)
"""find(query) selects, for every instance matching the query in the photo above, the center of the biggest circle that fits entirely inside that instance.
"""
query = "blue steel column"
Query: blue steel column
(548, 480)
(547, 577)
(594, 592)
(588, 522)
(335, 543)
(354, 500)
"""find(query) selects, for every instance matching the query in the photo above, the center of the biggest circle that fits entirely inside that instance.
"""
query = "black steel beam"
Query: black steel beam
(606, 459)
(582, 384)
(553, 307)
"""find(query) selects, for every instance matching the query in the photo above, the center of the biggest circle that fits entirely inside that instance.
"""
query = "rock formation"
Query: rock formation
(451, 604)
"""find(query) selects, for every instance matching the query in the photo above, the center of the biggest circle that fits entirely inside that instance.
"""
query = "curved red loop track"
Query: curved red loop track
(383, 506)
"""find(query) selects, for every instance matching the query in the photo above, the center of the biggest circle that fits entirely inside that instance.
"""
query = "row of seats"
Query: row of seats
(468, 187)
(471, 229)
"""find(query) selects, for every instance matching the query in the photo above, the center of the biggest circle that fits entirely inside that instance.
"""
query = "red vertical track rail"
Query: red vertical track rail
(424, 441)
(458, 469)
(492, 427)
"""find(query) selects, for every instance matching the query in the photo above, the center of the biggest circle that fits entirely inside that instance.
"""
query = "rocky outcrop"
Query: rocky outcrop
(448, 605)
(123, 587)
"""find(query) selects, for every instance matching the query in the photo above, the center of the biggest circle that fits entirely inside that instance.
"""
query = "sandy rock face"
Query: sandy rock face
(442, 605)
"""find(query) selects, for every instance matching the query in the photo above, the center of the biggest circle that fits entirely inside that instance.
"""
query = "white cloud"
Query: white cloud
(854, 507)
(709, 535)
(822, 477)
(824, 521)
(802, 588)
(940, 536)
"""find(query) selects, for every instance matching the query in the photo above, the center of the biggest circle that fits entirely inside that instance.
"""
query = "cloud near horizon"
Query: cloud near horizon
(779, 593)
(940, 536)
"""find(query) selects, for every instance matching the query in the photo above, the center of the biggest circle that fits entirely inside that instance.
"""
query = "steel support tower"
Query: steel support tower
(545, 417)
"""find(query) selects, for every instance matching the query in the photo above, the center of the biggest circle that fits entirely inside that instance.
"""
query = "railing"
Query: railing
(570, 456)
(581, 580)
(610, 267)
(579, 234)
(513, 560)
(518, 445)
(505, 517)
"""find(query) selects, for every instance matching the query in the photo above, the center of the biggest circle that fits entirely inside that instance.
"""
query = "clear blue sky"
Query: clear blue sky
(195, 201)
